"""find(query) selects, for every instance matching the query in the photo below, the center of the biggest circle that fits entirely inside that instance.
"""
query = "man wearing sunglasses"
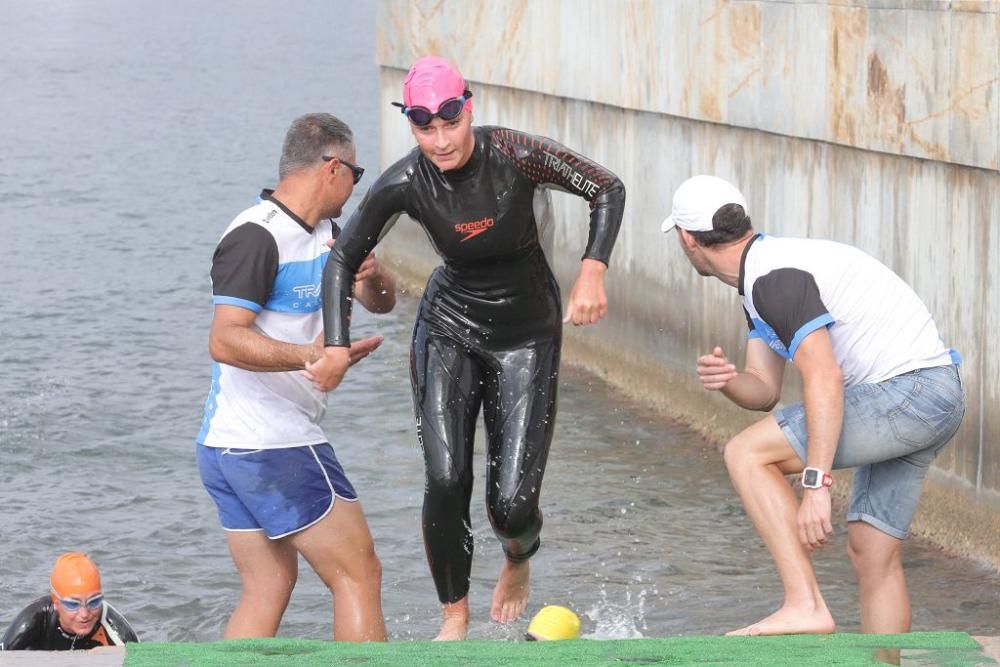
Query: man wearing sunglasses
(262, 454)
(74, 616)
(489, 328)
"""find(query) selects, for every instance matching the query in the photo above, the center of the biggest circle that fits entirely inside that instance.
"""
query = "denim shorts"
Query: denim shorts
(892, 431)
(279, 491)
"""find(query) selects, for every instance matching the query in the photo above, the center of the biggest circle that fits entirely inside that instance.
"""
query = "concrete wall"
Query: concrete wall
(871, 122)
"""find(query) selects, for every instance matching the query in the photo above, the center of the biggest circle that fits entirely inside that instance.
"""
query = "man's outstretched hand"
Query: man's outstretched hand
(328, 371)
(715, 370)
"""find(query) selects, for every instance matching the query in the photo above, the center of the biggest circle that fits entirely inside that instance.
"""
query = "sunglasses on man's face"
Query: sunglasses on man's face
(447, 110)
(72, 604)
(356, 171)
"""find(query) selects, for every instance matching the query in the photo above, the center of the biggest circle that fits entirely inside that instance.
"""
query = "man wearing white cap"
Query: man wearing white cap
(881, 393)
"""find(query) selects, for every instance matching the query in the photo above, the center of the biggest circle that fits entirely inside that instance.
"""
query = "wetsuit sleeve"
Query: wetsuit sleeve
(244, 267)
(550, 164)
(789, 301)
(120, 630)
(383, 203)
(27, 630)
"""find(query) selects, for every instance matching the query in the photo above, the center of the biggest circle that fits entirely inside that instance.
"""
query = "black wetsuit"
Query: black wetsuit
(36, 628)
(488, 330)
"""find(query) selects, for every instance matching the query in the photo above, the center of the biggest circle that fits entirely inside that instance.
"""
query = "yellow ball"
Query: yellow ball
(554, 622)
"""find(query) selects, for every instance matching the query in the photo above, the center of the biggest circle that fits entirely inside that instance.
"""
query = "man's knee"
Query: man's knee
(277, 589)
(759, 445)
(870, 558)
(737, 453)
(363, 568)
(371, 568)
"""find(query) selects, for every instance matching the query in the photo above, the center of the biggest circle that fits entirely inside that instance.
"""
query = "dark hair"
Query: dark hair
(309, 138)
(730, 223)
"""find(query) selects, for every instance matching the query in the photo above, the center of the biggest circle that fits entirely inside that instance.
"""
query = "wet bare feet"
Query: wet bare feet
(454, 621)
(510, 597)
(791, 621)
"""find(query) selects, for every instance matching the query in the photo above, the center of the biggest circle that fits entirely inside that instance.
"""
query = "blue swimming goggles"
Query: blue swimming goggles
(72, 604)
(447, 110)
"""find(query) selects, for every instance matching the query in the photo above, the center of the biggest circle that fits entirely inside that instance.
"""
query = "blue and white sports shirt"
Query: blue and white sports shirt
(271, 262)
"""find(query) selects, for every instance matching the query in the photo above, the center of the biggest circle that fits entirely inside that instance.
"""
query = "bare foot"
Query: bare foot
(791, 621)
(510, 596)
(454, 621)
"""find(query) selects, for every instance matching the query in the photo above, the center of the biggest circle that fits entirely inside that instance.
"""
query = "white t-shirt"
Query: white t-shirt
(878, 325)
(269, 261)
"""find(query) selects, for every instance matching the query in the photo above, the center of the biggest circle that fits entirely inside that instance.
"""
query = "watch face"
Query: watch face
(810, 478)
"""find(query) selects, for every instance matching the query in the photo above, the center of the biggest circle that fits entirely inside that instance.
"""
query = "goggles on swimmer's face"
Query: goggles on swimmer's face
(94, 602)
(447, 110)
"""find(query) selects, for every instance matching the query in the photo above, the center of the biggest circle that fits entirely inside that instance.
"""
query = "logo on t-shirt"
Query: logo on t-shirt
(474, 228)
(306, 291)
(770, 336)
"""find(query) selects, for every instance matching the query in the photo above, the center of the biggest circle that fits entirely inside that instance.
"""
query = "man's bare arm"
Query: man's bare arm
(756, 387)
(232, 340)
(823, 396)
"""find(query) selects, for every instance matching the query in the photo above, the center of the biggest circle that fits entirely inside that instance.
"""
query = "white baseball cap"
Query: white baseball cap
(697, 200)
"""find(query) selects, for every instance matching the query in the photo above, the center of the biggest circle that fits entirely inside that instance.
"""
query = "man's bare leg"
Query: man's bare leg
(268, 570)
(339, 548)
(510, 597)
(878, 564)
(758, 459)
(454, 621)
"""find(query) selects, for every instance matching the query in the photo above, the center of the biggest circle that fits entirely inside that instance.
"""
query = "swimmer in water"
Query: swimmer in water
(73, 616)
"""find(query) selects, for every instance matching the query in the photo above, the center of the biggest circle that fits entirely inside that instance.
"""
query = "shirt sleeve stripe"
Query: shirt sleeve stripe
(824, 320)
(234, 301)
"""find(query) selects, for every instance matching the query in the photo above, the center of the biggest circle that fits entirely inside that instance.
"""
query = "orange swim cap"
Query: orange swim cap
(75, 575)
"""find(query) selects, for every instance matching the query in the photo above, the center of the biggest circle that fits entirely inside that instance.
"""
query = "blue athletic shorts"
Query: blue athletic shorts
(892, 431)
(279, 491)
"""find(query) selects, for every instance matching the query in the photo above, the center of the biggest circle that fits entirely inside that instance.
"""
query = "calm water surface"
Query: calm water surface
(131, 134)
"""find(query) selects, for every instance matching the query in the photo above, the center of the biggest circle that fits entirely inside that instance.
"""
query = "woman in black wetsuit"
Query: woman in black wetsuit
(488, 331)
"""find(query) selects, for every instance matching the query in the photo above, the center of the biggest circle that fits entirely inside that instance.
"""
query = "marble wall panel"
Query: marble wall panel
(888, 71)
(975, 88)
(743, 75)
(928, 90)
(909, 77)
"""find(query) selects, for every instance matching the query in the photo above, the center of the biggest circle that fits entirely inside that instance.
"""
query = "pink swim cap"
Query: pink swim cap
(431, 81)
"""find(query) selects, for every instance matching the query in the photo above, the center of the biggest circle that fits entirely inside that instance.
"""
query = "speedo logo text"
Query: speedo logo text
(474, 228)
